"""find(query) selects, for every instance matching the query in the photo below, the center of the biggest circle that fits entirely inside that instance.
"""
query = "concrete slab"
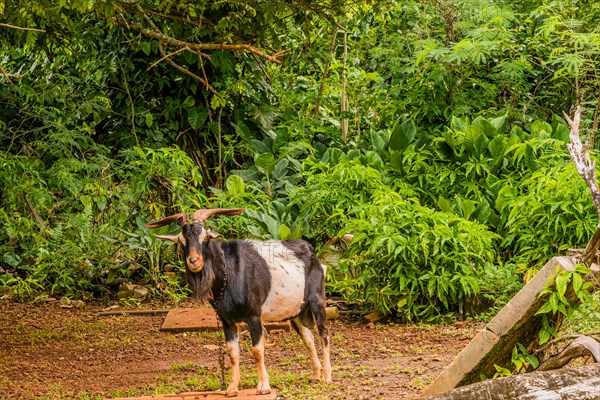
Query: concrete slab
(246, 394)
(515, 323)
(202, 319)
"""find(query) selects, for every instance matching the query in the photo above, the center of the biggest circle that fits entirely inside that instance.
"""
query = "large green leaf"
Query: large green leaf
(196, 117)
(472, 133)
(403, 135)
(562, 133)
(445, 206)
(265, 162)
(396, 161)
(262, 146)
(500, 123)
(379, 140)
(530, 158)
(235, 185)
(488, 128)
(284, 232)
(467, 208)
(496, 147)
(280, 168)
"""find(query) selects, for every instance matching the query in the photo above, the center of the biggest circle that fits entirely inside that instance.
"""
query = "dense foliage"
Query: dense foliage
(430, 130)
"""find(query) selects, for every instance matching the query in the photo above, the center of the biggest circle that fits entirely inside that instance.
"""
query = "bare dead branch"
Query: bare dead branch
(580, 347)
(36, 215)
(167, 56)
(561, 339)
(587, 170)
(585, 166)
(21, 28)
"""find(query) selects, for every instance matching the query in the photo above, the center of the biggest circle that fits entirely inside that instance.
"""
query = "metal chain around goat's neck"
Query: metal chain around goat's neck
(225, 277)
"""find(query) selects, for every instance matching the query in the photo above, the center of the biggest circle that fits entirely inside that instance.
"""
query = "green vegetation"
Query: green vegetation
(430, 130)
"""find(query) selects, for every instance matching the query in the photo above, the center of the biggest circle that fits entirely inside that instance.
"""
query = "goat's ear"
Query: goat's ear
(212, 234)
(170, 238)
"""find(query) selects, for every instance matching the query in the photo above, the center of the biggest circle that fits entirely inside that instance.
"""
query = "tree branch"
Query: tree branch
(580, 347)
(325, 71)
(131, 100)
(6, 75)
(166, 57)
(161, 37)
(20, 28)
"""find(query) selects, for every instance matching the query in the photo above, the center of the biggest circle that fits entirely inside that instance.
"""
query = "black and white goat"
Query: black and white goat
(255, 282)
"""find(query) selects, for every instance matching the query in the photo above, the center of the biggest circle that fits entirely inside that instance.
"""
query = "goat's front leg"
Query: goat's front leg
(232, 336)
(258, 351)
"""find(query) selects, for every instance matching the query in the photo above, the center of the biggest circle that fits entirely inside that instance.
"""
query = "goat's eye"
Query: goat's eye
(197, 229)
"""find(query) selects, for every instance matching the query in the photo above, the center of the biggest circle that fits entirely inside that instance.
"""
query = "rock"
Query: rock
(128, 290)
(68, 303)
(125, 290)
(140, 292)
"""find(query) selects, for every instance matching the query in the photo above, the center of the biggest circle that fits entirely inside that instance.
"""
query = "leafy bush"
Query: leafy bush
(79, 204)
(549, 212)
(409, 260)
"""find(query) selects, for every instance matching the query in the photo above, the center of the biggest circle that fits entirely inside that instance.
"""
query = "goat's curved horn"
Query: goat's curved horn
(181, 219)
(203, 215)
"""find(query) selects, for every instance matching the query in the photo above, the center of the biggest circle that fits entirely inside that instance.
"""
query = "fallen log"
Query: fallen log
(581, 383)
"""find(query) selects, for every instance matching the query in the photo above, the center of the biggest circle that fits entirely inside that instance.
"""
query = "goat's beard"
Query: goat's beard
(201, 283)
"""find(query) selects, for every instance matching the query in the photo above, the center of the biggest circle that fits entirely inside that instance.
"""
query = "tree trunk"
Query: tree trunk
(325, 72)
(564, 384)
(344, 105)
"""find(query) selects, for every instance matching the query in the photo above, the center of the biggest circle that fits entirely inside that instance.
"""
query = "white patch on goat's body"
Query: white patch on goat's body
(286, 297)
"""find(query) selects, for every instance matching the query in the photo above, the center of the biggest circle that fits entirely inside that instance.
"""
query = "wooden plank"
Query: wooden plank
(203, 319)
(515, 323)
(246, 394)
(131, 312)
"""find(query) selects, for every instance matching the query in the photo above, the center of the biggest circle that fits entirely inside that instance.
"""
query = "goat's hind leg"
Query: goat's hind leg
(303, 325)
(317, 308)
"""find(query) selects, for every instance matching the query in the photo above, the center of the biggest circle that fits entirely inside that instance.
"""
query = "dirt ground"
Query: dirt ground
(50, 352)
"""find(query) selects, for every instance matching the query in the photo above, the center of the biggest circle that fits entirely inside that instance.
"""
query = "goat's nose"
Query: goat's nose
(194, 260)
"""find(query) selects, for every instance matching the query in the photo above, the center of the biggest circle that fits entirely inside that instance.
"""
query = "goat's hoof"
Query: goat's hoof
(263, 389)
(231, 392)
(315, 376)
(326, 378)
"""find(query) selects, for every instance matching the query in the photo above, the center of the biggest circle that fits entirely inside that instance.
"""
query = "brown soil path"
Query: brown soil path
(57, 353)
